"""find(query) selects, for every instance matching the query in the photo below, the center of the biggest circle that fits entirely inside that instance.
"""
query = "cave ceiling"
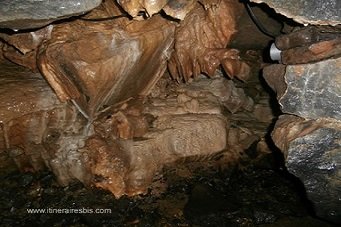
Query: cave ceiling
(316, 12)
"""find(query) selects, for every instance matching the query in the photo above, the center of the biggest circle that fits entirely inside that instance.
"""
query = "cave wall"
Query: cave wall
(308, 133)
(97, 124)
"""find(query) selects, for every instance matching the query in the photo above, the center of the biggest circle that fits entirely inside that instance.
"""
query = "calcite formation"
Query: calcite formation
(88, 62)
(202, 40)
(85, 61)
(123, 148)
(31, 113)
(22, 48)
(97, 124)
(128, 166)
(178, 9)
(202, 37)
(149, 7)
(105, 116)
(19, 14)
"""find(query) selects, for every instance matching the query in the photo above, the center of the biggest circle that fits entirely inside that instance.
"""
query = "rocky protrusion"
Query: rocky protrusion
(22, 14)
(310, 137)
(87, 63)
(306, 94)
(317, 12)
(312, 149)
(202, 40)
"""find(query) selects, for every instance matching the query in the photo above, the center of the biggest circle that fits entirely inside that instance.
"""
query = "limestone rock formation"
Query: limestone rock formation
(133, 141)
(111, 120)
(312, 150)
(178, 9)
(101, 128)
(19, 14)
(22, 48)
(202, 40)
(85, 61)
(310, 137)
(313, 95)
(127, 144)
(317, 12)
(128, 166)
(31, 113)
(88, 62)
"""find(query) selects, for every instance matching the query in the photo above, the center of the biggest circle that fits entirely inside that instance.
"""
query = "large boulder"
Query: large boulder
(309, 132)
(312, 150)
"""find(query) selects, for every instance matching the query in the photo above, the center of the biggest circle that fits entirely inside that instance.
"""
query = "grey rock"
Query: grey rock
(318, 12)
(315, 159)
(310, 136)
(313, 90)
(27, 14)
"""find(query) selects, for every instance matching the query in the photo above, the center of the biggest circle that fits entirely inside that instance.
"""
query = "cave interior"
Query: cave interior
(170, 112)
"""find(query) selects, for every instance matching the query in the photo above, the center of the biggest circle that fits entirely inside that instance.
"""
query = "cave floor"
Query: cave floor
(190, 195)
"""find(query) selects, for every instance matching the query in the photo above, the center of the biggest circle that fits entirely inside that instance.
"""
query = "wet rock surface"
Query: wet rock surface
(134, 140)
(254, 197)
(129, 143)
(29, 115)
(104, 133)
(196, 53)
(18, 14)
(92, 67)
(115, 121)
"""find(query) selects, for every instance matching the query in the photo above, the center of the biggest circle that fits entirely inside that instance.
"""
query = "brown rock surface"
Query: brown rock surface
(179, 8)
(149, 7)
(129, 167)
(128, 143)
(22, 48)
(186, 121)
(142, 9)
(100, 127)
(202, 40)
(88, 62)
(30, 114)
(313, 53)
(306, 36)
